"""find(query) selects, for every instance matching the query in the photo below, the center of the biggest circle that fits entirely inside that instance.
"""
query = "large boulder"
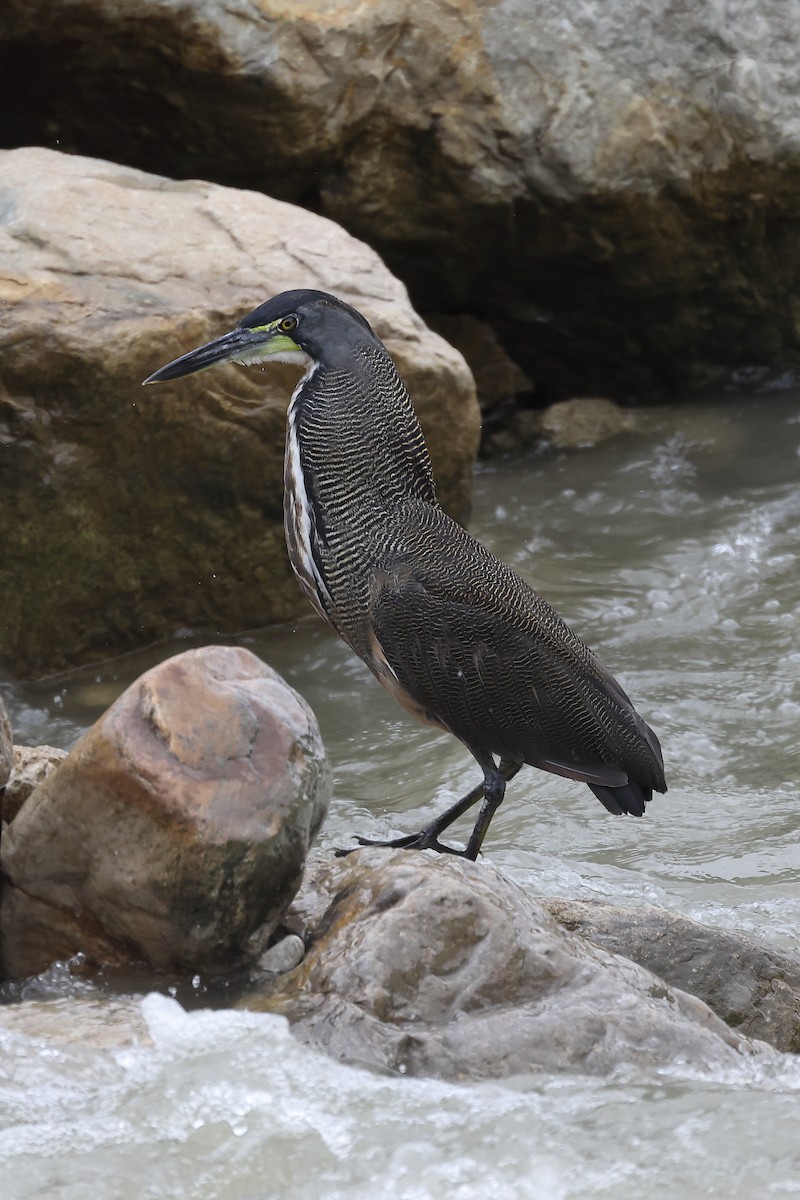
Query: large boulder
(176, 831)
(443, 967)
(613, 185)
(125, 514)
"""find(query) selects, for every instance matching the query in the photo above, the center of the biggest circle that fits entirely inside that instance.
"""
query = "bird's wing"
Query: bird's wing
(465, 643)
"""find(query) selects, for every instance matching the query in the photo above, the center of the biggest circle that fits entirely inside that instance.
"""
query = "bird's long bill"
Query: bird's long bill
(241, 345)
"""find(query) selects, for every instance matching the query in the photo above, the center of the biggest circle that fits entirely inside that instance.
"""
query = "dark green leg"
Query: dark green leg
(491, 791)
(494, 789)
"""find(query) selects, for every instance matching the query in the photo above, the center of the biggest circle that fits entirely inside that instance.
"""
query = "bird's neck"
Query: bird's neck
(355, 459)
(359, 442)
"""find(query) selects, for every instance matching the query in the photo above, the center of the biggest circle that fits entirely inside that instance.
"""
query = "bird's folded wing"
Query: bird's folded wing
(512, 680)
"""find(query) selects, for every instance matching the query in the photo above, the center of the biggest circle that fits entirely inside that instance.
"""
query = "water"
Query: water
(675, 554)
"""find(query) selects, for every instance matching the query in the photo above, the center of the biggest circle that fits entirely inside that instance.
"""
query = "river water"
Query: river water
(674, 552)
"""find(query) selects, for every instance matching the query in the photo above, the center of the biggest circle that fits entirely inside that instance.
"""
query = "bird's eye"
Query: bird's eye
(288, 324)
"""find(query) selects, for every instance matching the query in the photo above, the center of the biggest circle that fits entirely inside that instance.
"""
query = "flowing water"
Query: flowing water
(674, 552)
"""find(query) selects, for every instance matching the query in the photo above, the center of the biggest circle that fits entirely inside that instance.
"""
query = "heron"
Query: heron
(459, 639)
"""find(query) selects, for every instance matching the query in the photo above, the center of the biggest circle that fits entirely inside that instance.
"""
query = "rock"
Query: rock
(283, 956)
(442, 967)
(521, 430)
(32, 765)
(497, 378)
(755, 989)
(127, 513)
(6, 748)
(613, 186)
(584, 422)
(176, 830)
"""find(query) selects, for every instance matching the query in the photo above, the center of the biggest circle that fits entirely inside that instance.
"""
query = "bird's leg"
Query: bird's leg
(494, 778)
(428, 836)
(494, 789)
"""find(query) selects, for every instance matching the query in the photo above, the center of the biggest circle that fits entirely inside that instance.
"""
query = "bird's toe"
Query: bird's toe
(413, 841)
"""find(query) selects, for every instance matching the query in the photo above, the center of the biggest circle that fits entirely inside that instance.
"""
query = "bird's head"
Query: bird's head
(300, 326)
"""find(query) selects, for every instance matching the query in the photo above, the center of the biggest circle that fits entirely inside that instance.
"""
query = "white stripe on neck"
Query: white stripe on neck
(299, 509)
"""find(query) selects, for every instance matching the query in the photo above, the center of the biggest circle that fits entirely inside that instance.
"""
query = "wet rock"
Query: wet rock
(175, 832)
(755, 989)
(442, 967)
(615, 185)
(6, 748)
(32, 765)
(127, 513)
(283, 956)
(584, 421)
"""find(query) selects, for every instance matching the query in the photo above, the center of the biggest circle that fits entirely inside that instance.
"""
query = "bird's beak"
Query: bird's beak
(241, 345)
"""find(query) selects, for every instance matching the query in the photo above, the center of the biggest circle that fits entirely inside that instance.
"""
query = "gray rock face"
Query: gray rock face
(754, 989)
(442, 967)
(175, 493)
(176, 831)
(612, 183)
(640, 94)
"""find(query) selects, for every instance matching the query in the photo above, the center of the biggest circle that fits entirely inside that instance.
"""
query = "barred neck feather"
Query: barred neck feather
(355, 454)
(361, 445)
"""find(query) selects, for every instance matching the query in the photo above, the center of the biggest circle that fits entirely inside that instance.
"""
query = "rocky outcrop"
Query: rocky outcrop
(443, 967)
(754, 989)
(172, 839)
(124, 513)
(613, 186)
(176, 831)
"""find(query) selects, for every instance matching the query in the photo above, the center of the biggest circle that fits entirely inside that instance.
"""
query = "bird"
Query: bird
(454, 634)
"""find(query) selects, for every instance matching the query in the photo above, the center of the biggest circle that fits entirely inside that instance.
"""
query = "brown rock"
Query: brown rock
(496, 377)
(176, 831)
(32, 765)
(442, 967)
(584, 421)
(125, 513)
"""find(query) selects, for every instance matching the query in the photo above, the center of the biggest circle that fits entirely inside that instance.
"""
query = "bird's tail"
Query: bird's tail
(629, 799)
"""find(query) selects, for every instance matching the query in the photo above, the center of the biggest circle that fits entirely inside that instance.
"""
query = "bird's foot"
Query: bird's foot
(401, 843)
(424, 840)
